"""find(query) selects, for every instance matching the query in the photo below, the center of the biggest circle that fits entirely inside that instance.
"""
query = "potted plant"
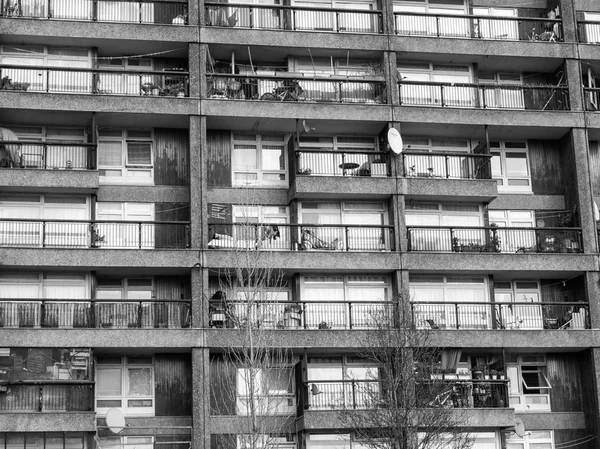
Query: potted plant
(174, 90)
(150, 89)
(7, 83)
(501, 375)
(486, 373)
(494, 373)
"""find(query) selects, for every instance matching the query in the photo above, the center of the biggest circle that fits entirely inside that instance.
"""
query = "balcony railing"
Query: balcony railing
(94, 81)
(368, 89)
(56, 396)
(342, 163)
(343, 394)
(588, 31)
(478, 27)
(49, 155)
(148, 11)
(488, 315)
(462, 239)
(300, 315)
(484, 96)
(85, 313)
(293, 18)
(269, 236)
(446, 165)
(93, 234)
(472, 393)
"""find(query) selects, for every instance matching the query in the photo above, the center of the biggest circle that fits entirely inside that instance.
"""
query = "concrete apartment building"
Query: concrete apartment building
(146, 144)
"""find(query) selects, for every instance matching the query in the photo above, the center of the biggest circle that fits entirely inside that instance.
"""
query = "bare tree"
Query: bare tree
(253, 374)
(404, 406)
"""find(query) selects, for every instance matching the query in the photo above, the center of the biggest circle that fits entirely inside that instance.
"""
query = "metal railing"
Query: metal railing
(484, 96)
(462, 239)
(300, 315)
(86, 313)
(94, 81)
(293, 18)
(36, 396)
(472, 393)
(478, 27)
(269, 236)
(446, 165)
(495, 315)
(343, 394)
(341, 163)
(93, 234)
(368, 89)
(588, 31)
(49, 155)
(129, 11)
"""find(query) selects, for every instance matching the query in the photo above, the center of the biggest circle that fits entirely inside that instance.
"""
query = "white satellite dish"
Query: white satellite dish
(519, 427)
(395, 140)
(115, 420)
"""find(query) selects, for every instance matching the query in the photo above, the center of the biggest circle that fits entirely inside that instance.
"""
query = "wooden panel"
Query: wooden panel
(595, 166)
(171, 236)
(166, 12)
(590, 395)
(173, 378)
(564, 375)
(172, 287)
(219, 158)
(223, 441)
(222, 387)
(543, 99)
(171, 157)
(525, 26)
(571, 438)
(545, 161)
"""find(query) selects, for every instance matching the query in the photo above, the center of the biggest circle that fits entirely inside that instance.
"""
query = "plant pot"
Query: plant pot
(156, 92)
(486, 376)
(181, 94)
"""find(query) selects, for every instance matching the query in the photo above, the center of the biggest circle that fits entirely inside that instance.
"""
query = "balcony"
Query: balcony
(292, 18)
(484, 96)
(85, 313)
(343, 394)
(287, 87)
(461, 239)
(289, 237)
(36, 396)
(49, 155)
(478, 27)
(307, 315)
(494, 315)
(447, 165)
(588, 31)
(148, 11)
(94, 81)
(342, 163)
(93, 234)
(467, 393)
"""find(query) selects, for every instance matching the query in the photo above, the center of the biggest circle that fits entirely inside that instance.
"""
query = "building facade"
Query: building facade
(180, 135)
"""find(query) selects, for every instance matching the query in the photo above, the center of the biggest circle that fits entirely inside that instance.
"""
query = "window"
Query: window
(259, 160)
(515, 239)
(440, 298)
(429, 25)
(501, 90)
(125, 157)
(533, 439)
(125, 12)
(358, 23)
(273, 391)
(266, 441)
(510, 167)
(592, 30)
(529, 386)
(343, 301)
(426, 73)
(526, 313)
(117, 233)
(116, 80)
(496, 28)
(48, 440)
(126, 383)
(430, 165)
(138, 442)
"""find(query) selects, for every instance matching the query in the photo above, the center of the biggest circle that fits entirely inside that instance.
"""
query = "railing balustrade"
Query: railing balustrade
(57, 396)
(497, 315)
(308, 315)
(293, 18)
(93, 234)
(484, 96)
(147, 11)
(446, 165)
(343, 394)
(367, 89)
(471, 393)
(478, 27)
(342, 163)
(520, 240)
(93, 81)
(49, 155)
(86, 313)
(269, 236)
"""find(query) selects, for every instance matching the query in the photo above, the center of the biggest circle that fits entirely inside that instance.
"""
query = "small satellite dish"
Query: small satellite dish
(115, 420)
(519, 427)
(395, 140)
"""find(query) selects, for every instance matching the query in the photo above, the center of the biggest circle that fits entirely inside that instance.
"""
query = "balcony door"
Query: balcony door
(430, 25)
(496, 28)
(126, 227)
(514, 240)
(122, 303)
(427, 91)
(326, 20)
(526, 313)
(501, 90)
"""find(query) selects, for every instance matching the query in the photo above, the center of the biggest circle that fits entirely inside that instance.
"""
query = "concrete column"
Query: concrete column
(387, 8)
(585, 198)
(199, 278)
(203, 55)
(401, 290)
(195, 69)
(574, 79)
(194, 12)
(197, 181)
(390, 69)
(201, 398)
(569, 20)
(592, 280)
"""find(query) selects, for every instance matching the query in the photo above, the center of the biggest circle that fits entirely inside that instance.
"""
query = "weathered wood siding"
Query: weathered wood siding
(171, 157)
(564, 375)
(219, 158)
(172, 236)
(544, 99)
(566, 438)
(590, 395)
(173, 377)
(545, 160)
(222, 387)
(595, 166)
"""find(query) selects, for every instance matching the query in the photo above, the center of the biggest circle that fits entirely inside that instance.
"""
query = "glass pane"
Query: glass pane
(139, 153)
(110, 154)
(139, 382)
(273, 158)
(244, 156)
(108, 382)
(516, 164)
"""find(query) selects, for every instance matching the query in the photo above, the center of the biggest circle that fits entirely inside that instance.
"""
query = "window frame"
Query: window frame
(503, 177)
(519, 399)
(285, 400)
(260, 172)
(127, 169)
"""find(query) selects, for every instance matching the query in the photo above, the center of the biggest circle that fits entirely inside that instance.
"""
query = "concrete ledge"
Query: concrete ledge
(528, 202)
(241, 424)
(25, 179)
(340, 187)
(554, 420)
(145, 194)
(243, 195)
(159, 425)
(48, 422)
(451, 189)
